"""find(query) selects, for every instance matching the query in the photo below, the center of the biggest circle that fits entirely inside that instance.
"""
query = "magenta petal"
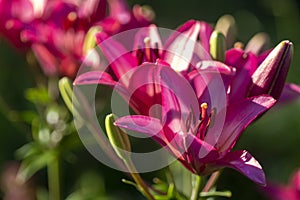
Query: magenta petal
(223, 135)
(246, 164)
(200, 151)
(180, 47)
(206, 72)
(290, 93)
(143, 124)
(144, 89)
(245, 64)
(179, 101)
(140, 123)
(120, 59)
(205, 33)
(120, 10)
(94, 77)
(47, 60)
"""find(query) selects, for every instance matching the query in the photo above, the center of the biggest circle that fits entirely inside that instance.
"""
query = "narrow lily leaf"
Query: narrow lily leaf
(212, 194)
(246, 164)
(236, 121)
(33, 164)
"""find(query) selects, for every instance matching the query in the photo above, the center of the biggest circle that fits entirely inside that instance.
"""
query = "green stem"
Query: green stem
(138, 179)
(211, 181)
(196, 188)
(54, 179)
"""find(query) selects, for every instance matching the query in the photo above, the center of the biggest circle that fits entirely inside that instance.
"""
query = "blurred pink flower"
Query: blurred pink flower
(283, 192)
(56, 29)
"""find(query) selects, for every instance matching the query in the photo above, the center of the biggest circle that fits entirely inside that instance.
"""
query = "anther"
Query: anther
(238, 45)
(72, 16)
(204, 107)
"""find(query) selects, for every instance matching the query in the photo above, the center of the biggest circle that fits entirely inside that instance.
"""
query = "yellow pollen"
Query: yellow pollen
(72, 16)
(239, 45)
(204, 107)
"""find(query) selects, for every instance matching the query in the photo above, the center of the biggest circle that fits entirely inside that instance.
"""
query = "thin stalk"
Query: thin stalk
(54, 179)
(138, 179)
(196, 188)
(211, 181)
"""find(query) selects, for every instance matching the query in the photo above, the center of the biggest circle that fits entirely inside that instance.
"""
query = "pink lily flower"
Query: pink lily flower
(190, 129)
(252, 69)
(126, 67)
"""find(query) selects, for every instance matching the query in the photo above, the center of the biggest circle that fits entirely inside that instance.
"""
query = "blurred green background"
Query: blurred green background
(273, 140)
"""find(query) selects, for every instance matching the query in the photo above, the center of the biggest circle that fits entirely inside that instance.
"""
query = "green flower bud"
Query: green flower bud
(217, 46)
(90, 39)
(118, 139)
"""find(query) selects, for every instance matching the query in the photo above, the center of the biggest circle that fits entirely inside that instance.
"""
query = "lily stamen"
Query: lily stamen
(204, 107)
(147, 41)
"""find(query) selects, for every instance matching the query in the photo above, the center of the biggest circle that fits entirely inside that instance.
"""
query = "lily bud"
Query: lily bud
(118, 139)
(258, 43)
(65, 89)
(269, 77)
(226, 25)
(90, 39)
(217, 46)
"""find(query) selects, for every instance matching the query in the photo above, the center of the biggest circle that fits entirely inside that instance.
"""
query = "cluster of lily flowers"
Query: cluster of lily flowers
(208, 90)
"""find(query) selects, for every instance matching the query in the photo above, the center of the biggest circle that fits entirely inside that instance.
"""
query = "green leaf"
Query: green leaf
(32, 164)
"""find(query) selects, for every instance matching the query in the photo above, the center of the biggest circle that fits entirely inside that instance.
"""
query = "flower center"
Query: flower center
(204, 122)
(148, 53)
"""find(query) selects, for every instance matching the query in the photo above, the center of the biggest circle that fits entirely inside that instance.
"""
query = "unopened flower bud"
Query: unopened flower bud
(258, 43)
(226, 25)
(217, 46)
(90, 39)
(118, 139)
(269, 77)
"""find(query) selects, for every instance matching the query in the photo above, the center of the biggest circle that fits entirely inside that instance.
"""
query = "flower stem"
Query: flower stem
(211, 181)
(138, 179)
(54, 179)
(196, 188)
